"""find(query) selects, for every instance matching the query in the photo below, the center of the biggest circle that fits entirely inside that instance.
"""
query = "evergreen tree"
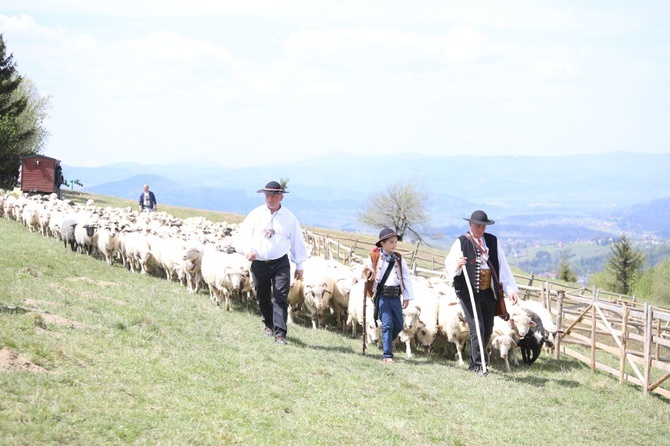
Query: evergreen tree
(20, 119)
(624, 265)
(565, 273)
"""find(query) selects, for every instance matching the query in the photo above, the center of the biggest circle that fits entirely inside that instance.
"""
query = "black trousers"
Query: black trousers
(486, 307)
(273, 281)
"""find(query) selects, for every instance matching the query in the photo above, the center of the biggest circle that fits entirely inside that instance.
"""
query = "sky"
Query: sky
(255, 82)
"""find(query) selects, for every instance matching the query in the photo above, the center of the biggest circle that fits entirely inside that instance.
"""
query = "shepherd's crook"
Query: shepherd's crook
(482, 352)
(365, 324)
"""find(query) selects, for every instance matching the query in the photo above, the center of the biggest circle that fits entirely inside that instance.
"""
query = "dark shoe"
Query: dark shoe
(280, 340)
(268, 332)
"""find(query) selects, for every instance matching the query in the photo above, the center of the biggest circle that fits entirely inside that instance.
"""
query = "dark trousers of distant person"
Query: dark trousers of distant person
(486, 307)
(273, 280)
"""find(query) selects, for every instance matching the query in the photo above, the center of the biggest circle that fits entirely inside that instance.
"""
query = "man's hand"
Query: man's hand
(405, 303)
(513, 298)
(298, 274)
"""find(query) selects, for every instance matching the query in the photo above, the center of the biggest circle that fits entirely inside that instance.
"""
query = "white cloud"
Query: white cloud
(558, 70)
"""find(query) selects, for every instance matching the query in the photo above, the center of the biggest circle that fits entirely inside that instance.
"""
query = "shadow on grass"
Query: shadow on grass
(12, 310)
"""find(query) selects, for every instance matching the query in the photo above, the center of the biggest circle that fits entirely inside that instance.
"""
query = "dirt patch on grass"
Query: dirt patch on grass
(89, 280)
(48, 318)
(13, 362)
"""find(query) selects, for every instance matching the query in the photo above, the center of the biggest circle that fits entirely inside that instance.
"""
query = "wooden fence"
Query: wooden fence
(609, 332)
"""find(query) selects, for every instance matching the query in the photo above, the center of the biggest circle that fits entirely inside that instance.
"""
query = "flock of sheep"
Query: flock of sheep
(200, 254)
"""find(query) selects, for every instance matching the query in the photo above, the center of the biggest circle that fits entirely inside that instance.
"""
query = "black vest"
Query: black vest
(473, 266)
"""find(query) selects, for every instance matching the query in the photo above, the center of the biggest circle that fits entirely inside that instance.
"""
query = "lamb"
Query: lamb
(550, 330)
(504, 341)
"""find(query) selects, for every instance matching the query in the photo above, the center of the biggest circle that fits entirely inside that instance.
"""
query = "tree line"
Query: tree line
(22, 113)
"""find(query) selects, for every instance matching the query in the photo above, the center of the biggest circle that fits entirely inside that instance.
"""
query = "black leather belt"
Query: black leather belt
(271, 261)
(391, 291)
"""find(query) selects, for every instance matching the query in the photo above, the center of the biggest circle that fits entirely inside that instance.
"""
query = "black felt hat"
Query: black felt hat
(387, 233)
(273, 187)
(479, 218)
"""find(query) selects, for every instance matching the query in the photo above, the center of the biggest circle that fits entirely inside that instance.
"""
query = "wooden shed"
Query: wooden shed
(40, 174)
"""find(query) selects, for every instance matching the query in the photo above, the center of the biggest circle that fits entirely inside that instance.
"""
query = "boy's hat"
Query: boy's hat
(273, 187)
(479, 218)
(387, 233)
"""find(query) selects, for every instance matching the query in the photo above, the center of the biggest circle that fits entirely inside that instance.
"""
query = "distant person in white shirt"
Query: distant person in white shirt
(267, 236)
(147, 200)
(478, 252)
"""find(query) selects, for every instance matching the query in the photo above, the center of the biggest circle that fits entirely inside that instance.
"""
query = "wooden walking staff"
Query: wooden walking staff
(365, 323)
(482, 352)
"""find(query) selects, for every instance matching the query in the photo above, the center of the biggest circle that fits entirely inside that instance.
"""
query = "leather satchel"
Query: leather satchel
(501, 308)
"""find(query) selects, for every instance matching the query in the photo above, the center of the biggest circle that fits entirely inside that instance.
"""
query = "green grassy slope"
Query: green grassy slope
(130, 359)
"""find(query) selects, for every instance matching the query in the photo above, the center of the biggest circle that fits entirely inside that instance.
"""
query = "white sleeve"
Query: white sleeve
(451, 268)
(506, 275)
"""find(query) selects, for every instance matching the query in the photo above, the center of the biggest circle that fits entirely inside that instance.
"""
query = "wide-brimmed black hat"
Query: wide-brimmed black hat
(479, 218)
(273, 187)
(387, 233)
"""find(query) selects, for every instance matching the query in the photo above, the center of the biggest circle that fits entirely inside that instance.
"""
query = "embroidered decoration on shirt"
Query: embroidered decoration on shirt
(269, 230)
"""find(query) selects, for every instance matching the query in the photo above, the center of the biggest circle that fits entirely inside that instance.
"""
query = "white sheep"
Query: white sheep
(355, 314)
(411, 318)
(108, 241)
(427, 300)
(453, 324)
(318, 288)
(503, 340)
(343, 279)
(192, 264)
(31, 216)
(136, 251)
(224, 274)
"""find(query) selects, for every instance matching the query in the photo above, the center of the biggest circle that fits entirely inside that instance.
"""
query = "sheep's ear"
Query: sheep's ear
(514, 342)
(533, 324)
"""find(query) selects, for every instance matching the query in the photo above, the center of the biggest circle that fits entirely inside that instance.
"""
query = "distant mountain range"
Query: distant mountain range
(552, 198)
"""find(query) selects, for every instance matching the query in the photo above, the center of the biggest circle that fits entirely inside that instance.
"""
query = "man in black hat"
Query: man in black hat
(486, 265)
(267, 236)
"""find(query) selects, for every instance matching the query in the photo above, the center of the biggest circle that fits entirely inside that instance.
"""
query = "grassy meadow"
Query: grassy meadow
(97, 355)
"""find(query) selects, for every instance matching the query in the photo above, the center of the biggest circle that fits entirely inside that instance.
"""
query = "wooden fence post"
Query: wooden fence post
(593, 333)
(648, 314)
(624, 340)
(559, 321)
